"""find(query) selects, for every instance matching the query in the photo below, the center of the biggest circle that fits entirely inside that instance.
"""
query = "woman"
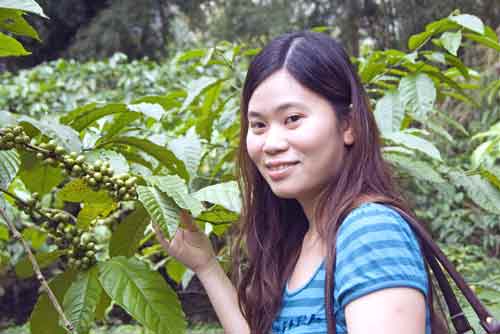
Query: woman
(316, 192)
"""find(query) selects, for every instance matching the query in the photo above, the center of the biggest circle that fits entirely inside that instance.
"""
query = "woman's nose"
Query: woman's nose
(275, 141)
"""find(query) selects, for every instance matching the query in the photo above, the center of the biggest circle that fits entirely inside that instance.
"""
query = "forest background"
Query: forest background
(152, 87)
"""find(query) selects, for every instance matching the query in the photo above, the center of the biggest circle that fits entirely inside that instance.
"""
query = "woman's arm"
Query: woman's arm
(387, 311)
(224, 299)
(191, 247)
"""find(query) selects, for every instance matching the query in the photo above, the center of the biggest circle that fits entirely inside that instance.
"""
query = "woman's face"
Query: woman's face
(294, 138)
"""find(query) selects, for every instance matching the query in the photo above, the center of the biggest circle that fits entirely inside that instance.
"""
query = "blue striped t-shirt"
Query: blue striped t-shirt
(376, 249)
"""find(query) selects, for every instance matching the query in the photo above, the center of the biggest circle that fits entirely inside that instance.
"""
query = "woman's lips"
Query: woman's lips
(281, 173)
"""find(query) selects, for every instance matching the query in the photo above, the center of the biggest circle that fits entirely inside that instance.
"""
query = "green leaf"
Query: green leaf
(451, 41)
(115, 126)
(62, 134)
(144, 294)
(116, 160)
(190, 54)
(196, 88)
(418, 93)
(127, 236)
(83, 117)
(103, 305)
(417, 40)
(9, 165)
(169, 101)
(219, 217)
(13, 21)
(417, 143)
(34, 236)
(81, 299)
(162, 154)
(419, 169)
(161, 208)
(11, 47)
(479, 154)
(37, 176)
(4, 232)
(44, 318)
(95, 203)
(153, 110)
(24, 269)
(485, 40)
(225, 194)
(175, 270)
(389, 112)
(24, 5)
(470, 22)
(176, 188)
(492, 174)
(482, 192)
(188, 149)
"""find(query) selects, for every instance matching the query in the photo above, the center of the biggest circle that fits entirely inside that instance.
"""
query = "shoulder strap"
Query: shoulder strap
(436, 258)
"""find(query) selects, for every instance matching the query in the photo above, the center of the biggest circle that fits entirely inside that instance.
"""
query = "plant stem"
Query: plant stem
(69, 326)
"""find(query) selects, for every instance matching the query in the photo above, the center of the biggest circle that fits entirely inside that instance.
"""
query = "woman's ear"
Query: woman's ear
(348, 136)
(347, 131)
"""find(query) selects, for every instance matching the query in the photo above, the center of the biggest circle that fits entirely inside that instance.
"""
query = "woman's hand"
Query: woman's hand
(189, 245)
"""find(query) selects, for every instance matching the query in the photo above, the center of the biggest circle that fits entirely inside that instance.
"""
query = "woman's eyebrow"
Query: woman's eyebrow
(281, 108)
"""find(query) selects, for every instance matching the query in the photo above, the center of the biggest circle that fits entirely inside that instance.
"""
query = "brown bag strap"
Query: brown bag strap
(436, 258)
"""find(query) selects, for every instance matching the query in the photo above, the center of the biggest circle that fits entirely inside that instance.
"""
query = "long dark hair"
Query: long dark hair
(272, 228)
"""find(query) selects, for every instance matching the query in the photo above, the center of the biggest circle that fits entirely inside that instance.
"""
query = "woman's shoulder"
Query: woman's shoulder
(373, 217)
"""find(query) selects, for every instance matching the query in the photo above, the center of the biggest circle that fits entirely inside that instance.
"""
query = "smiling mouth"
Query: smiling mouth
(282, 167)
(280, 172)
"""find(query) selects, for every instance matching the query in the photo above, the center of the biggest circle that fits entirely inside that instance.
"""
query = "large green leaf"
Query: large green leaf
(81, 299)
(161, 208)
(81, 118)
(176, 188)
(482, 192)
(37, 176)
(102, 307)
(188, 149)
(116, 160)
(468, 21)
(24, 268)
(24, 5)
(419, 169)
(13, 21)
(389, 112)
(417, 93)
(225, 194)
(11, 47)
(62, 134)
(195, 88)
(117, 125)
(95, 203)
(9, 165)
(219, 217)
(144, 294)
(451, 41)
(414, 142)
(485, 40)
(153, 110)
(162, 154)
(127, 236)
(44, 318)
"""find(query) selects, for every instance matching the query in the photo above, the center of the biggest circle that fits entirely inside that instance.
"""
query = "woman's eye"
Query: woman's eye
(294, 118)
(254, 125)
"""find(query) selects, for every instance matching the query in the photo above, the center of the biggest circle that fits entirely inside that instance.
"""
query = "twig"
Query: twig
(69, 326)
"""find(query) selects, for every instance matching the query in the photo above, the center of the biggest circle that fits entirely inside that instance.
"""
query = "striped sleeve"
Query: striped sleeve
(376, 249)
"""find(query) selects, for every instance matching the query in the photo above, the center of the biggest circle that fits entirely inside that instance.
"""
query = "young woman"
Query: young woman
(326, 250)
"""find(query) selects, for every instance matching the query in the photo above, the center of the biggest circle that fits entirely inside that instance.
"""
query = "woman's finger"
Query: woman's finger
(160, 237)
(187, 221)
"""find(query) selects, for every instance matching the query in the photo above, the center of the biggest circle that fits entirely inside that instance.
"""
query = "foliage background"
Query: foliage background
(195, 78)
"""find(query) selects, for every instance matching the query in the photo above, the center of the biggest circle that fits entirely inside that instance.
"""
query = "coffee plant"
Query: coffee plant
(90, 180)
